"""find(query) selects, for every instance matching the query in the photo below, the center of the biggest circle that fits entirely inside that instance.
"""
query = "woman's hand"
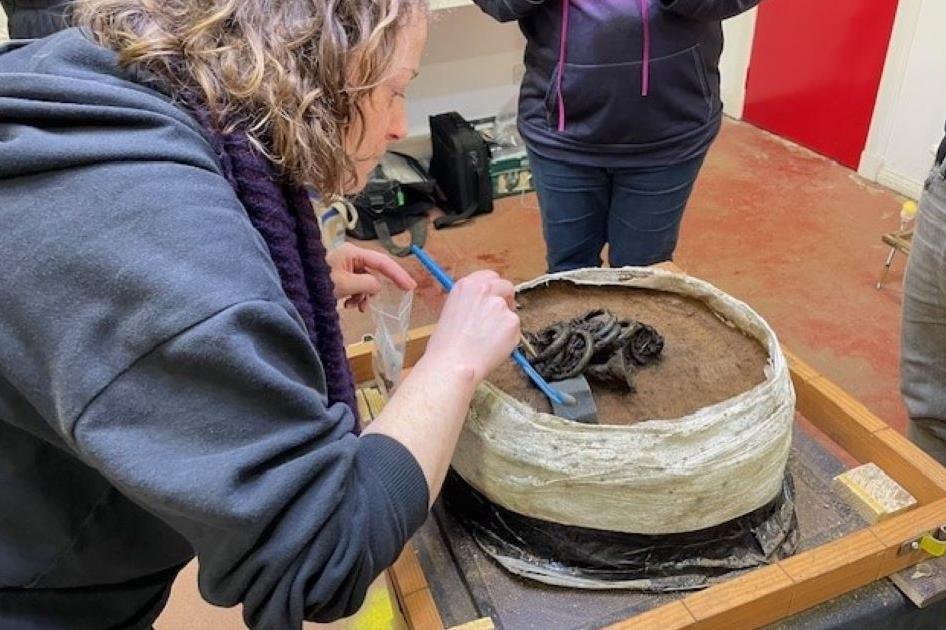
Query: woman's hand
(478, 327)
(351, 274)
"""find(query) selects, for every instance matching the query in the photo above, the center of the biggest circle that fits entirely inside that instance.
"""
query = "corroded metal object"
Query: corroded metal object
(596, 344)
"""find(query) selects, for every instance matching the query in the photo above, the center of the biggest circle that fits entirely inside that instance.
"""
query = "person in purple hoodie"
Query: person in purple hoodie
(618, 106)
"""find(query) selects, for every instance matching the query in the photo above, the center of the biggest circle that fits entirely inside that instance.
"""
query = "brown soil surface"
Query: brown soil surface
(704, 361)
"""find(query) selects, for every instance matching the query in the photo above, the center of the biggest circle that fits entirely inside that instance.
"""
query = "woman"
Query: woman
(172, 376)
(618, 106)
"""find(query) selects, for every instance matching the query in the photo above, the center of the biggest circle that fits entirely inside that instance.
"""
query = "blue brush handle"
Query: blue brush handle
(553, 394)
(447, 283)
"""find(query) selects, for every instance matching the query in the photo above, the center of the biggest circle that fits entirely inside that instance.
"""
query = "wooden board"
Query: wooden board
(673, 616)
(923, 583)
(359, 354)
(833, 569)
(484, 623)
(413, 592)
(770, 593)
(872, 493)
(751, 600)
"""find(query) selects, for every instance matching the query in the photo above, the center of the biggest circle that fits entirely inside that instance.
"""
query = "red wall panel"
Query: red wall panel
(815, 69)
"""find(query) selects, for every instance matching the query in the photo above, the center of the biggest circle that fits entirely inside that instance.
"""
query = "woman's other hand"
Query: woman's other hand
(353, 270)
(478, 326)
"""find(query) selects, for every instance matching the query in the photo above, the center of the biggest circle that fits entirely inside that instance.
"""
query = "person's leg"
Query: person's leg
(646, 208)
(574, 203)
(934, 445)
(923, 341)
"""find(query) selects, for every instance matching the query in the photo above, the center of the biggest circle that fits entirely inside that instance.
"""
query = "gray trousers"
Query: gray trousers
(923, 341)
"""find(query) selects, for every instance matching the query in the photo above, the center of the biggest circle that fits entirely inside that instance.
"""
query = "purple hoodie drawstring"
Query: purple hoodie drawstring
(563, 49)
(645, 62)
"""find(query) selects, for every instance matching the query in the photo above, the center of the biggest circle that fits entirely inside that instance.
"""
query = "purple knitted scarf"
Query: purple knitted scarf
(284, 217)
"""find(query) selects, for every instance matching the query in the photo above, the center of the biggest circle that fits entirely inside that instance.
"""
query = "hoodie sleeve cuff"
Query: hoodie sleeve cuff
(397, 493)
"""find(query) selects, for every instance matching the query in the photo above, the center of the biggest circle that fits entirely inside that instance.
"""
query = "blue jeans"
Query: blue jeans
(923, 342)
(637, 211)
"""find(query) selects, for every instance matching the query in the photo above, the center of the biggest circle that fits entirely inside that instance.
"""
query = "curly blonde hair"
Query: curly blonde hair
(291, 72)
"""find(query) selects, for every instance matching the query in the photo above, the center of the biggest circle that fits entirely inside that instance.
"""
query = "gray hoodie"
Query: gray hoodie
(159, 395)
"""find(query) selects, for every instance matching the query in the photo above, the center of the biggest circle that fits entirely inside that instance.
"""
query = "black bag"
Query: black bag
(387, 207)
(460, 164)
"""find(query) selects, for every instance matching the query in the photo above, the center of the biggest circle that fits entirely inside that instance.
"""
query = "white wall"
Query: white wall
(734, 64)
(473, 65)
(911, 103)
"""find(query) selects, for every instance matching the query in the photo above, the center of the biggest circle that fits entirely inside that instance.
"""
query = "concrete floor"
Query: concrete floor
(793, 234)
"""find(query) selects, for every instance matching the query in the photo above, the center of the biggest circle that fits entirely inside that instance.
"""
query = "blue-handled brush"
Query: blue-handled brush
(556, 396)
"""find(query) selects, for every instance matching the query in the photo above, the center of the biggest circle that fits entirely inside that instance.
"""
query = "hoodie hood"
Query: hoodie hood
(67, 95)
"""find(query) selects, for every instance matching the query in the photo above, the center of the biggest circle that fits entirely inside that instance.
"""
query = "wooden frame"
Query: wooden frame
(773, 592)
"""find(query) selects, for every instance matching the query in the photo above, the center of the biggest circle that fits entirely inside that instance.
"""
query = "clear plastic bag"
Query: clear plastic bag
(505, 132)
(391, 314)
